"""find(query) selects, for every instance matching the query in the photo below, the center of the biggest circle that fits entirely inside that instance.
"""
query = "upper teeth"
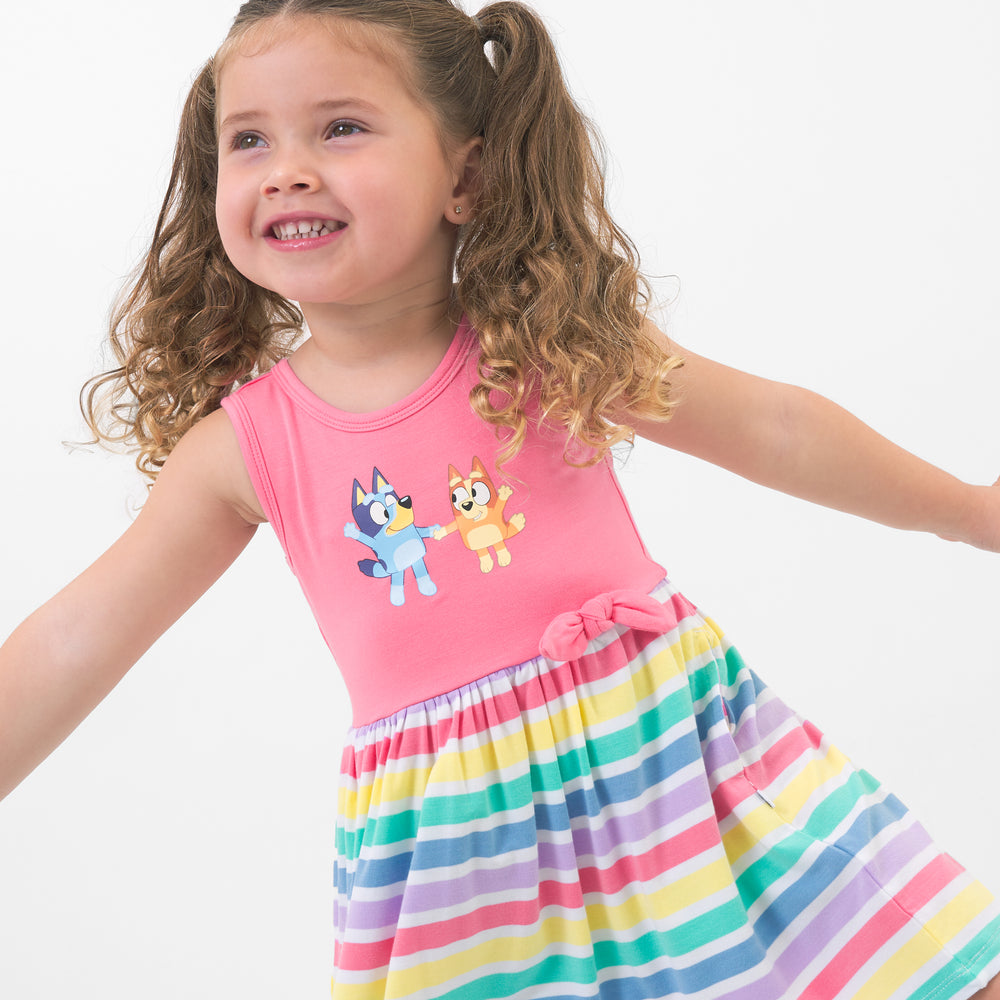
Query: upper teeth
(308, 228)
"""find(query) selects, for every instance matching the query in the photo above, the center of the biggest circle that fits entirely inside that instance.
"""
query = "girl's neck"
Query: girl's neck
(368, 358)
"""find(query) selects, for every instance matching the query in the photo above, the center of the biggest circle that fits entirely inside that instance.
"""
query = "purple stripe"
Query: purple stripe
(772, 716)
(373, 914)
(718, 753)
(368, 915)
(560, 857)
(654, 815)
(840, 912)
(457, 891)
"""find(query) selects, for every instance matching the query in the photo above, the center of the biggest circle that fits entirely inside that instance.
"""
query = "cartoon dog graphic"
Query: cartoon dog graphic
(383, 521)
(479, 519)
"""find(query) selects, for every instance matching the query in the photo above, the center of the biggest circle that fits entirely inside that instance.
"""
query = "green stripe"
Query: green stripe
(496, 797)
(964, 966)
(680, 940)
(779, 860)
(837, 805)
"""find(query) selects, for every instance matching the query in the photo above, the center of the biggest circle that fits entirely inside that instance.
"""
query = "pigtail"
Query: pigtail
(547, 278)
(189, 326)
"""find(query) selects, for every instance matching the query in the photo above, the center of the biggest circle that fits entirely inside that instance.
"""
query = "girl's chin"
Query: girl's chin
(300, 288)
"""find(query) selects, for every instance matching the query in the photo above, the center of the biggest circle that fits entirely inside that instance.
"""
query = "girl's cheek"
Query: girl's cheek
(229, 245)
(225, 215)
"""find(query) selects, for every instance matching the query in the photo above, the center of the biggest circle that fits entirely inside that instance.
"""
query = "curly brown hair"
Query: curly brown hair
(546, 277)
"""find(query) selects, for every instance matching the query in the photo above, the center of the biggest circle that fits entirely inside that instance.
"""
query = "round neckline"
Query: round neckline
(446, 370)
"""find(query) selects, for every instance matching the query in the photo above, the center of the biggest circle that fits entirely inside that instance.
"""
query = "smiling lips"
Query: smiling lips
(305, 229)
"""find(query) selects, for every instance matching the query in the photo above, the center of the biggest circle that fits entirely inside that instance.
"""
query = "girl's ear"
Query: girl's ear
(468, 173)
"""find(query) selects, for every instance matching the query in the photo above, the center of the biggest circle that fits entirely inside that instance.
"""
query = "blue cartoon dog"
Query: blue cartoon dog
(384, 522)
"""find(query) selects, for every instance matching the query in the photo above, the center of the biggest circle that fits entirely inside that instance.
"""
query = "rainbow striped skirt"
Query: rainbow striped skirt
(635, 815)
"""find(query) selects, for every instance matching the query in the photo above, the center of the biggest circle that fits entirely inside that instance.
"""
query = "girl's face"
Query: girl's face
(333, 185)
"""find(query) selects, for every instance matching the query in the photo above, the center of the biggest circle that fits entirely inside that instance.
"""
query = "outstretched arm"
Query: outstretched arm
(62, 660)
(801, 443)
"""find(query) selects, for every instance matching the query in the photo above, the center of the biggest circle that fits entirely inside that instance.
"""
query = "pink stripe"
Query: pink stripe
(813, 733)
(651, 864)
(919, 891)
(776, 759)
(727, 795)
(364, 957)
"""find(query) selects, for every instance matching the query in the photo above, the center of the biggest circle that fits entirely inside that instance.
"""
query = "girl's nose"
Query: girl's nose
(291, 173)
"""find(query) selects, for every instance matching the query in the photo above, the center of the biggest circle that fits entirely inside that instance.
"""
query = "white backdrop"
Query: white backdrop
(821, 176)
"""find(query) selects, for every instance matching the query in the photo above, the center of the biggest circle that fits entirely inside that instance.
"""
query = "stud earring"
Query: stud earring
(458, 209)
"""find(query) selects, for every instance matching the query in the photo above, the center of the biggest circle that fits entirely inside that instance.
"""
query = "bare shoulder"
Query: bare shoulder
(208, 466)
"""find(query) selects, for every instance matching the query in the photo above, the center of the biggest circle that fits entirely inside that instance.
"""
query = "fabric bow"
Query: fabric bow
(567, 635)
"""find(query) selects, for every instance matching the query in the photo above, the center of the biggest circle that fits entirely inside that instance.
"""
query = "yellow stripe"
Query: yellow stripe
(695, 643)
(357, 991)
(671, 899)
(913, 955)
(751, 829)
(955, 917)
(645, 683)
(406, 982)
(817, 772)
(716, 634)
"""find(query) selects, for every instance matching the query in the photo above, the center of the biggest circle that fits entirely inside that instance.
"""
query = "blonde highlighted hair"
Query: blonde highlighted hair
(545, 276)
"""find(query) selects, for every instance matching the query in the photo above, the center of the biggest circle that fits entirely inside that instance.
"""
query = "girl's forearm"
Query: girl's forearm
(44, 695)
(825, 454)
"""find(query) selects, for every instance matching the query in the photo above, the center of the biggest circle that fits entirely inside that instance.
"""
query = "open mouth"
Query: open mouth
(306, 229)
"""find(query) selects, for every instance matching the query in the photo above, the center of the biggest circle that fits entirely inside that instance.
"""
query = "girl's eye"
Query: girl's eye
(343, 130)
(247, 140)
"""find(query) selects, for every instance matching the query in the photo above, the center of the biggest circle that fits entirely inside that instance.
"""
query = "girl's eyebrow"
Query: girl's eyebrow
(329, 106)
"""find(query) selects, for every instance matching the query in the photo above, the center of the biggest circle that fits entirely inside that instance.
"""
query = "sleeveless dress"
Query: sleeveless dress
(561, 782)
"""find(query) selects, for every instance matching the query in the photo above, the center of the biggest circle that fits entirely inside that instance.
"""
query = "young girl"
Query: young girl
(736, 870)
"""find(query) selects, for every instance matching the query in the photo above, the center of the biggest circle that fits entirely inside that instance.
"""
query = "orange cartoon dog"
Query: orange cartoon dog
(479, 519)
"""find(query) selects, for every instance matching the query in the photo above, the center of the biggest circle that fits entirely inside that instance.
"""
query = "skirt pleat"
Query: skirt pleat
(645, 820)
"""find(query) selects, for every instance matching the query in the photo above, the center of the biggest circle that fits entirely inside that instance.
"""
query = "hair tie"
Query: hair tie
(479, 29)
(485, 39)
